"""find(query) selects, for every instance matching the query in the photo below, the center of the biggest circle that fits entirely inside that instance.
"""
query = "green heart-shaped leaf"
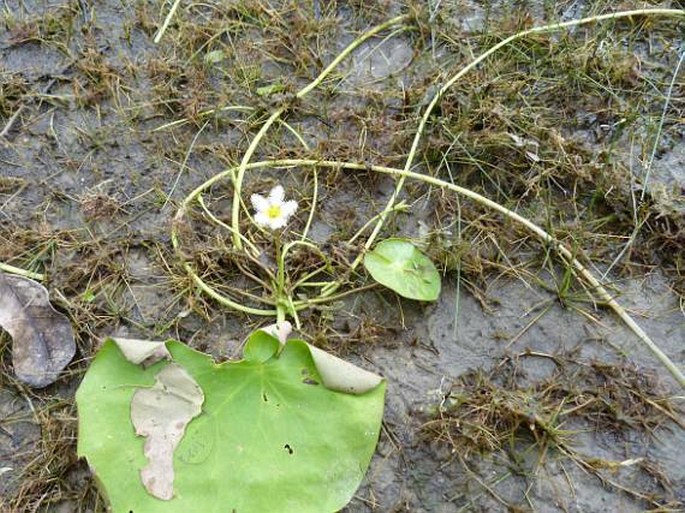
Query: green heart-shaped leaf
(401, 267)
(270, 437)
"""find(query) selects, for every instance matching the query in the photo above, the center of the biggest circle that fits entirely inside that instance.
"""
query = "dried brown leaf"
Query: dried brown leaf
(145, 352)
(161, 414)
(342, 376)
(42, 338)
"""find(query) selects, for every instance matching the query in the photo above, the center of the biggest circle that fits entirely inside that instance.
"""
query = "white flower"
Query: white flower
(273, 212)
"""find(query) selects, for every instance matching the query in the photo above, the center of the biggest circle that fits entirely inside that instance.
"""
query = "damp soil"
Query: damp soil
(92, 172)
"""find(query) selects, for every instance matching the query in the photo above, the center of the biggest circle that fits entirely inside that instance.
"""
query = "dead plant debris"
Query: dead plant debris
(501, 411)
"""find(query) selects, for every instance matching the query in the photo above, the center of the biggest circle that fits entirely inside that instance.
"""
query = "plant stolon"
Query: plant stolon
(282, 390)
(284, 301)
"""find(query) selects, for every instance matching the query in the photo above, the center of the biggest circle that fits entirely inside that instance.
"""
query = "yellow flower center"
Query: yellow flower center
(273, 212)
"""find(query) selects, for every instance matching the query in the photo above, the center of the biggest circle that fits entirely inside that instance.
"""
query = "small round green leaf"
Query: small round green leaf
(269, 437)
(401, 267)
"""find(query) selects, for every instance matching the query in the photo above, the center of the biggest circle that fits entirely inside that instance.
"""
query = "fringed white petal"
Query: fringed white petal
(262, 219)
(277, 223)
(276, 195)
(288, 208)
(259, 202)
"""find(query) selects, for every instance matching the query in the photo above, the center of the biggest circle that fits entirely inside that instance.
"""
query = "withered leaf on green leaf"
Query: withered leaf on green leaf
(161, 414)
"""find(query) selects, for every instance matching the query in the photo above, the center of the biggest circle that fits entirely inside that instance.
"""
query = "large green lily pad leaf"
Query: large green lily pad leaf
(401, 267)
(270, 437)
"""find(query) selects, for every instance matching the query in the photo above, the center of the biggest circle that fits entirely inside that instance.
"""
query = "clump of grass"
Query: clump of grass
(50, 473)
(501, 411)
(546, 124)
(97, 80)
(54, 28)
(12, 90)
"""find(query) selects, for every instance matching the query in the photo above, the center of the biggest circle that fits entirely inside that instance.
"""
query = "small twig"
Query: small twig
(167, 20)
(11, 121)
(209, 112)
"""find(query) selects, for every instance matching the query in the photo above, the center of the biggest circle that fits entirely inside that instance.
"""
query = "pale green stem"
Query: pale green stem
(237, 186)
(280, 313)
(280, 294)
(297, 134)
(301, 305)
(213, 218)
(347, 51)
(317, 284)
(312, 209)
(472, 65)
(304, 281)
(309, 245)
(293, 311)
(315, 196)
(399, 206)
(167, 20)
(220, 298)
(21, 272)
(281, 262)
(539, 232)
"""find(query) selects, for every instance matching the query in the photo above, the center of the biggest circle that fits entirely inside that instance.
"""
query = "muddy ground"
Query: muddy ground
(516, 390)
